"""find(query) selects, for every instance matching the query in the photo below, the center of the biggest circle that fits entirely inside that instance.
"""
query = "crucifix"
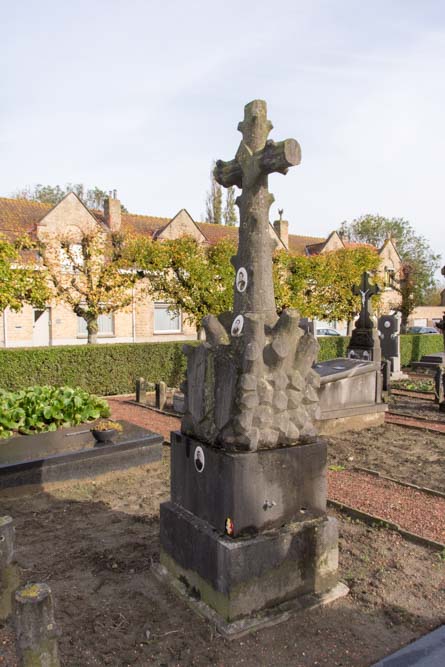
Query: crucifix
(366, 290)
(256, 158)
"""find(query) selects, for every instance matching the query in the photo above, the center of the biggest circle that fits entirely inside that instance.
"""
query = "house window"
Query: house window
(389, 276)
(166, 320)
(105, 323)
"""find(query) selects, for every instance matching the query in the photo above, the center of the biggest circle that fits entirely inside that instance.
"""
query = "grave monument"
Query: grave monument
(246, 532)
(365, 343)
(389, 331)
(436, 359)
(351, 389)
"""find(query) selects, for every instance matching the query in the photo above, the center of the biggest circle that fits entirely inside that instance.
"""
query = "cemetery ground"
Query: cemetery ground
(94, 541)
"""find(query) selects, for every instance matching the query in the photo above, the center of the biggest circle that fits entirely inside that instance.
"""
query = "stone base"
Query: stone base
(264, 619)
(256, 490)
(352, 419)
(238, 578)
(430, 361)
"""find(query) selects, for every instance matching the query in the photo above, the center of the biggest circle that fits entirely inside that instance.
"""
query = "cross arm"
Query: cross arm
(278, 157)
(228, 173)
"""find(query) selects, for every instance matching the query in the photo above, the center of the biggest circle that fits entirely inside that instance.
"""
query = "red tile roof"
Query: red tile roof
(350, 245)
(20, 216)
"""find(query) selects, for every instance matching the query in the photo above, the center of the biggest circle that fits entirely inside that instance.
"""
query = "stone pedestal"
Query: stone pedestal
(248, 532)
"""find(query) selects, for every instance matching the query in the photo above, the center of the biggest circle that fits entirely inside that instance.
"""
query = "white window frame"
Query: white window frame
(161, 304)
(82, 331)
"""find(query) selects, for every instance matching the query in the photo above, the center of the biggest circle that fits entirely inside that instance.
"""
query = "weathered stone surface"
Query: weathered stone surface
(238, 578)
(237, 484)
(246, 528)
(9, 574)
(161, 395)
(141, 390)
(252, 358)
(35, 627)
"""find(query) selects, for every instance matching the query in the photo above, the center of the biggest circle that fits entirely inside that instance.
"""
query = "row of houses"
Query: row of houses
(145, 320)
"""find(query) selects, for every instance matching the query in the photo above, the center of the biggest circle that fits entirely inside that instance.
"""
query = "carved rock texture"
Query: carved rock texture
(253, 391)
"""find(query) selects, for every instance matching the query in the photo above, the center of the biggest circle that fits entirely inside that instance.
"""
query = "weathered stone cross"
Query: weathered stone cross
(255, 159)
(366, 290)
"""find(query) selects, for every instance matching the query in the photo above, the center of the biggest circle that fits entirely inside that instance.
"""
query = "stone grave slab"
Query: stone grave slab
(73, 453)
(350, 395)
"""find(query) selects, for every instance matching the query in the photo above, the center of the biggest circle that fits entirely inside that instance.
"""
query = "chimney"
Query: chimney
(112, 212)
(282, 229)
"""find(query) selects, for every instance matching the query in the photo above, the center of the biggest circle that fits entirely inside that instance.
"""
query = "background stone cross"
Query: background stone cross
(255, 159)
(365, 290)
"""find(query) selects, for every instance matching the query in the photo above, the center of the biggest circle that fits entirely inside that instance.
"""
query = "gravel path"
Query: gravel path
(413, 510)
(155, 421)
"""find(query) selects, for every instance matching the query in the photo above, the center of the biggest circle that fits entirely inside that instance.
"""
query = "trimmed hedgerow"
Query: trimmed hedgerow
(332, 347)
(414, 346)
(99, 369)
(112, 369)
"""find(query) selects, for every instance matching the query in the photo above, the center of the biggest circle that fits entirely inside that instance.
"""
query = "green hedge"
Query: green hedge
(113, 369)
(414, 346)
(98, 369)
(332, 347)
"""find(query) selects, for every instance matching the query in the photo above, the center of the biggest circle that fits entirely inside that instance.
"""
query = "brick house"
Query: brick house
(144, 320)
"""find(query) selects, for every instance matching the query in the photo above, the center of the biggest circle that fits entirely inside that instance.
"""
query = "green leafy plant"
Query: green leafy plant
(414, 385)
(336, 468)
(36, 409)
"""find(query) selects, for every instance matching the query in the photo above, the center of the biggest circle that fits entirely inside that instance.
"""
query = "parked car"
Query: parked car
(423, 330)
(327, 332)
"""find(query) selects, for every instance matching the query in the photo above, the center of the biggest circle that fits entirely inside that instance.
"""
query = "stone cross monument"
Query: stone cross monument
(365, 343)
(252, 385)
(246, 528)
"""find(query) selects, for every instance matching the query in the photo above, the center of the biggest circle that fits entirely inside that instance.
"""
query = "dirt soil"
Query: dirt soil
(410, 455)
(416, 407)
(93, 542)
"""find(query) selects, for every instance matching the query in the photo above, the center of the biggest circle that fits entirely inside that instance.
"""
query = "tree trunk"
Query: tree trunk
(92, 329)
(404, 322)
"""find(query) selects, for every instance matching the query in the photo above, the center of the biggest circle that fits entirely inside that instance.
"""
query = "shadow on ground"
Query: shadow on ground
(94, 542)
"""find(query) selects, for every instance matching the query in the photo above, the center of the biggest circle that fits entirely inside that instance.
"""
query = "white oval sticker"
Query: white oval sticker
(199, 459)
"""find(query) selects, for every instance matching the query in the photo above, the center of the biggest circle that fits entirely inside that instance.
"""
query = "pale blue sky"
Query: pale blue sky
(141, 95)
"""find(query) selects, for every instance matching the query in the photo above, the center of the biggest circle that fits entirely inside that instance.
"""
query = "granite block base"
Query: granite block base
(238, 578)
(256, 490)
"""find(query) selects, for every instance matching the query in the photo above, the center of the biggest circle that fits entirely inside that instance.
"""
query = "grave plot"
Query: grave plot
(73, 453)
(55, 433)
(93, 543)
